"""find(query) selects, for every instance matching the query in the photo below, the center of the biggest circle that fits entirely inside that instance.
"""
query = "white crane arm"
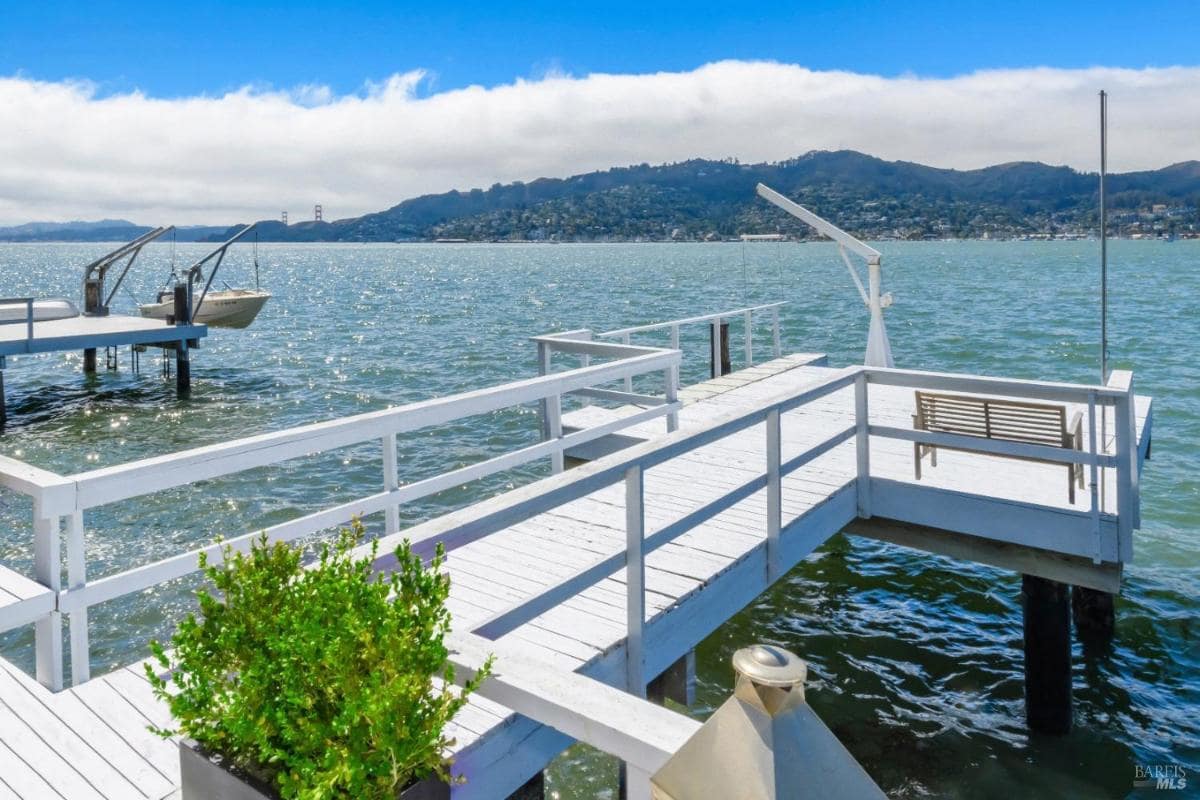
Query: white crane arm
(820, 225)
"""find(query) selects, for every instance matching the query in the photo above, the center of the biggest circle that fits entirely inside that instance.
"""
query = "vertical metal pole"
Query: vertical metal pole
(47, 563)
(635, 581)
(774, 495)
(775, 330)
(391, 481)
(863, 445)
(1103, 239)
(77, 580)
(749, 338)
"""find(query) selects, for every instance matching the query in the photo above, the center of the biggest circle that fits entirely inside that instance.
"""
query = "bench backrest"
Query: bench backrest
(1010, 420)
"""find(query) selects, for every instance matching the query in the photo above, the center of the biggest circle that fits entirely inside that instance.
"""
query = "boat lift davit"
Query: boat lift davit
(226, 308)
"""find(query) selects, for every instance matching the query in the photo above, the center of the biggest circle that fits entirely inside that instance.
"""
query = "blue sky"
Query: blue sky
(183, 49)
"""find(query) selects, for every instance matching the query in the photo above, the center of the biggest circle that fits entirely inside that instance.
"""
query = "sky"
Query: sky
(215, 112)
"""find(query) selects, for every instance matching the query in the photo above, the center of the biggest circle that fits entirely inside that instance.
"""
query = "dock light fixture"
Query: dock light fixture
(879, 351)
(764, 742)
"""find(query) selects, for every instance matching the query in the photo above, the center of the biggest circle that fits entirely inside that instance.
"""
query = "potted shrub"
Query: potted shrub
(316, 681)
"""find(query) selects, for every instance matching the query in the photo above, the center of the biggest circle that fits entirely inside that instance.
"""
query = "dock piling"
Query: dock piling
(183, 363)
(1047, 629)
(89, 361)
(1094, 615)
(721, 364)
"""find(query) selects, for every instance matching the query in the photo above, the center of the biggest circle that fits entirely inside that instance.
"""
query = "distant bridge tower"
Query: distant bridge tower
(283, 217)
(317, 212)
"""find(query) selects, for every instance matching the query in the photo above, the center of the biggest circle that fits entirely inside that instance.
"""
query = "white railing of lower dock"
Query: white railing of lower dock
(57, 497)
(715, 322)
(27, 320)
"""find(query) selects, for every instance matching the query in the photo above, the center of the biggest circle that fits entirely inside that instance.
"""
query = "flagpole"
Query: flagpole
(1103, 239)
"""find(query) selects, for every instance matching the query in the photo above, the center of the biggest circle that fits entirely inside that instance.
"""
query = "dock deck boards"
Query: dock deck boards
(76, 333)
(91, 741)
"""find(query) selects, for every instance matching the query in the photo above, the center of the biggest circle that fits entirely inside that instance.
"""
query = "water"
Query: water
(914, 660)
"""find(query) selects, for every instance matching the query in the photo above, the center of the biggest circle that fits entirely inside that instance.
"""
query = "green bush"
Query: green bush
(320, 681)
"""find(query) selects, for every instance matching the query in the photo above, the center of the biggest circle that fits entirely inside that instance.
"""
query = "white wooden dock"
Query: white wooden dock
(614, 569)
(83, 332)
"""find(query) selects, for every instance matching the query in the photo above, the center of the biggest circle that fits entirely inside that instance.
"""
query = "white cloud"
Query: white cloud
(67, 153)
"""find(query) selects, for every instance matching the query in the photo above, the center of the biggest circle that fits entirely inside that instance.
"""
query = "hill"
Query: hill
(702, 199)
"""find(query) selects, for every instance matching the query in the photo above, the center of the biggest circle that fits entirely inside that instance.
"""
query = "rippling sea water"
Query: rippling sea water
(914, 660)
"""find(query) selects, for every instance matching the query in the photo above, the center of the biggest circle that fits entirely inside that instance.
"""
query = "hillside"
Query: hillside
(702, 199)
(715, 199)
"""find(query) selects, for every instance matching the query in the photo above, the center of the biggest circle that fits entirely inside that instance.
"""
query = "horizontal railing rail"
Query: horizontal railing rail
(57, 497)
(27, 321)
(715, 320)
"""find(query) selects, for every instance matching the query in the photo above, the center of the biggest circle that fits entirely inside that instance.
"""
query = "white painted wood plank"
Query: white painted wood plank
(23, 779)
(103, 700)
(30, 744)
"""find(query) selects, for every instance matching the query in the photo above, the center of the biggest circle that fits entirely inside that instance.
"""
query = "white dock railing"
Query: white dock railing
(27, 320)
(715, 321)
(1102, 535)
(57, 497)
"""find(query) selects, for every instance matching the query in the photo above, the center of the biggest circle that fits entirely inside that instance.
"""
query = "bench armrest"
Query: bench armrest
(1075, 430)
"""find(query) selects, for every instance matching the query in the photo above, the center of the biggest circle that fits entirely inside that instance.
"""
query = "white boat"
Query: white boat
(228, 308)
(46, 309)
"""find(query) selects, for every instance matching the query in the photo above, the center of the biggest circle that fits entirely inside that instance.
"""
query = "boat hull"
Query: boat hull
(226, 309)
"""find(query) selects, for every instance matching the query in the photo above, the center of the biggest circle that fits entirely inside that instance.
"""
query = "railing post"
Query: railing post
(544, 369)
(585, 361)
(77, 580)
(863, 445)
(628, 378)
(47, 563)
(554, 423)
(675, 346)
(774, 496)
(1126, 473)
(749, 338)
(635, 581)
(1093, 477)
(391, 481)
(775, 331)
(671, 383)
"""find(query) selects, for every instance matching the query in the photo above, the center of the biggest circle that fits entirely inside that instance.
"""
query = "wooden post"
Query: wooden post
(862, 445)
(677, 683)
(635, 581)
(775, 331)
(3, 402)
(89, 361)
(183, 362)
(1094, 615)
(47, 563)
(720, 348)
(749, 322)
(77, 580)
(1047, 626)
(774, 496)
(554, 424)
(671, 393)
(391, 482)
(543, 349)
(628, 378)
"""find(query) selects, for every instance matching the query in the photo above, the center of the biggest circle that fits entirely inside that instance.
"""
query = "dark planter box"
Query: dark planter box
(204, 777)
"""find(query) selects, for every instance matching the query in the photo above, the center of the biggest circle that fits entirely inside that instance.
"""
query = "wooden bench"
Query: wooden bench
(993, 418)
